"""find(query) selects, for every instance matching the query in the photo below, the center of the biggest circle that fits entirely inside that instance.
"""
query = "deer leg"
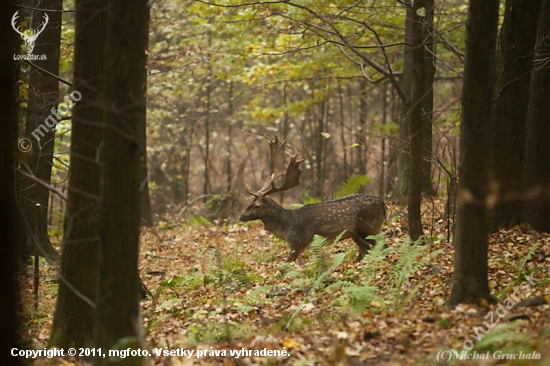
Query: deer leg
(295, 251)
(363, 244)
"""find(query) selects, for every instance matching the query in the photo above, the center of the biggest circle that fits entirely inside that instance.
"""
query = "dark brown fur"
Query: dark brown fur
(360, 214)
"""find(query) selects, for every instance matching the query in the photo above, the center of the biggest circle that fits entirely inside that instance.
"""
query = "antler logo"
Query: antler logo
(34, 33)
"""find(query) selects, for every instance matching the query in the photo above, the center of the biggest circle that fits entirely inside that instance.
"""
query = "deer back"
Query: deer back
(359, 214)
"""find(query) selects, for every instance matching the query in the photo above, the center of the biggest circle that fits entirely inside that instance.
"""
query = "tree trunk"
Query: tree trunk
(343, 130)
(537, 155)
(145, 197)
(42, 117)
(428, 100)
(362, 130)
(403, 147)
(229, 156)
(471, 236)
(514, 57)
(117, 312)
(415, 120)
(383, 161)
(73, 319)
(9, 74)
(206, 187)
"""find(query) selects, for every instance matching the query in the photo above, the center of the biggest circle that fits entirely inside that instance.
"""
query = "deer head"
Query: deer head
(29, 39)
(262, 205)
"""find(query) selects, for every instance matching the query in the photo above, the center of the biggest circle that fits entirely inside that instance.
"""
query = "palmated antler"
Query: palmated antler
(277, 162)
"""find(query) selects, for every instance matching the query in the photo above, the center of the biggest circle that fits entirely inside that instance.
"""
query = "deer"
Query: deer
(357, 215)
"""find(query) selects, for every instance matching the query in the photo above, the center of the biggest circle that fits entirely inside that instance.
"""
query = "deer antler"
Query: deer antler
(277, 161)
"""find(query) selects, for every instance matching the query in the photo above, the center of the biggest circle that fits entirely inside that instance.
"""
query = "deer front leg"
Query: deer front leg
(296, 249)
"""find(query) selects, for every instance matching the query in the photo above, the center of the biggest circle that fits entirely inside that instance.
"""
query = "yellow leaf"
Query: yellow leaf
(290, 343)
(325, 135)
(483, 303)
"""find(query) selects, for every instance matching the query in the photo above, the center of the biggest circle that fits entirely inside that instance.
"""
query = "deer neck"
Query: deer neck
(278, 221)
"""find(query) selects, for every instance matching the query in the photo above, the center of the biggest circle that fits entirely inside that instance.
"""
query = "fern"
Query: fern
(308, 199)
(370, 293)
(352, 185)
(364, 290)
(414, 256)
(507, 338)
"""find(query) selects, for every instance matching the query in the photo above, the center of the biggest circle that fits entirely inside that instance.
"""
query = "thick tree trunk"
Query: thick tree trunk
(73, 319)
(117, 314)
(514, 63)
(9, 75)
(415, 120)
(42, 117)
(537, 154)
(471, 231)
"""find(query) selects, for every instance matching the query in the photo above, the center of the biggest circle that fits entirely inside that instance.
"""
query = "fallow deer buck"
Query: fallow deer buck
(359, 215)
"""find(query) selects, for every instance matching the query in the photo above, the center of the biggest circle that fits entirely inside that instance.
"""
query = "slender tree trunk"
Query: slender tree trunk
(403, 146)
(286, 123)
(118, 313)
(537, 155)
(514, 57)
(470, 282)
(383, 162)
(206, 187)
(145, 197)
(415, 121)
(9, 74)
(229, 158)
(343, 130)
(74, 313)
(42, 117)
(362, 128)
(428, 100)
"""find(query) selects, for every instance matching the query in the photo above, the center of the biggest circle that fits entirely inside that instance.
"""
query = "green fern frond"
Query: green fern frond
(352, 185)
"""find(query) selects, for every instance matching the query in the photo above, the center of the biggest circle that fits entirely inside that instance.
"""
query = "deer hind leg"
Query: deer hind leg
(364, 244)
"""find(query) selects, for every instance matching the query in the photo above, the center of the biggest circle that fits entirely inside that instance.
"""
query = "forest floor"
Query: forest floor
(223, 291)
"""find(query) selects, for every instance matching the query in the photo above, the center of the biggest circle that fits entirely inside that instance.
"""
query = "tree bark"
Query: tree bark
(74, 313)
(343, 130)
(206, 187)
(362, 130)
(145, 197)
(118, 315)
(403, 147)
(415, 119)
(428, 100)
(471, 232)
(9, 74)
(42, 110)
(537, 155)
(515, 56)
